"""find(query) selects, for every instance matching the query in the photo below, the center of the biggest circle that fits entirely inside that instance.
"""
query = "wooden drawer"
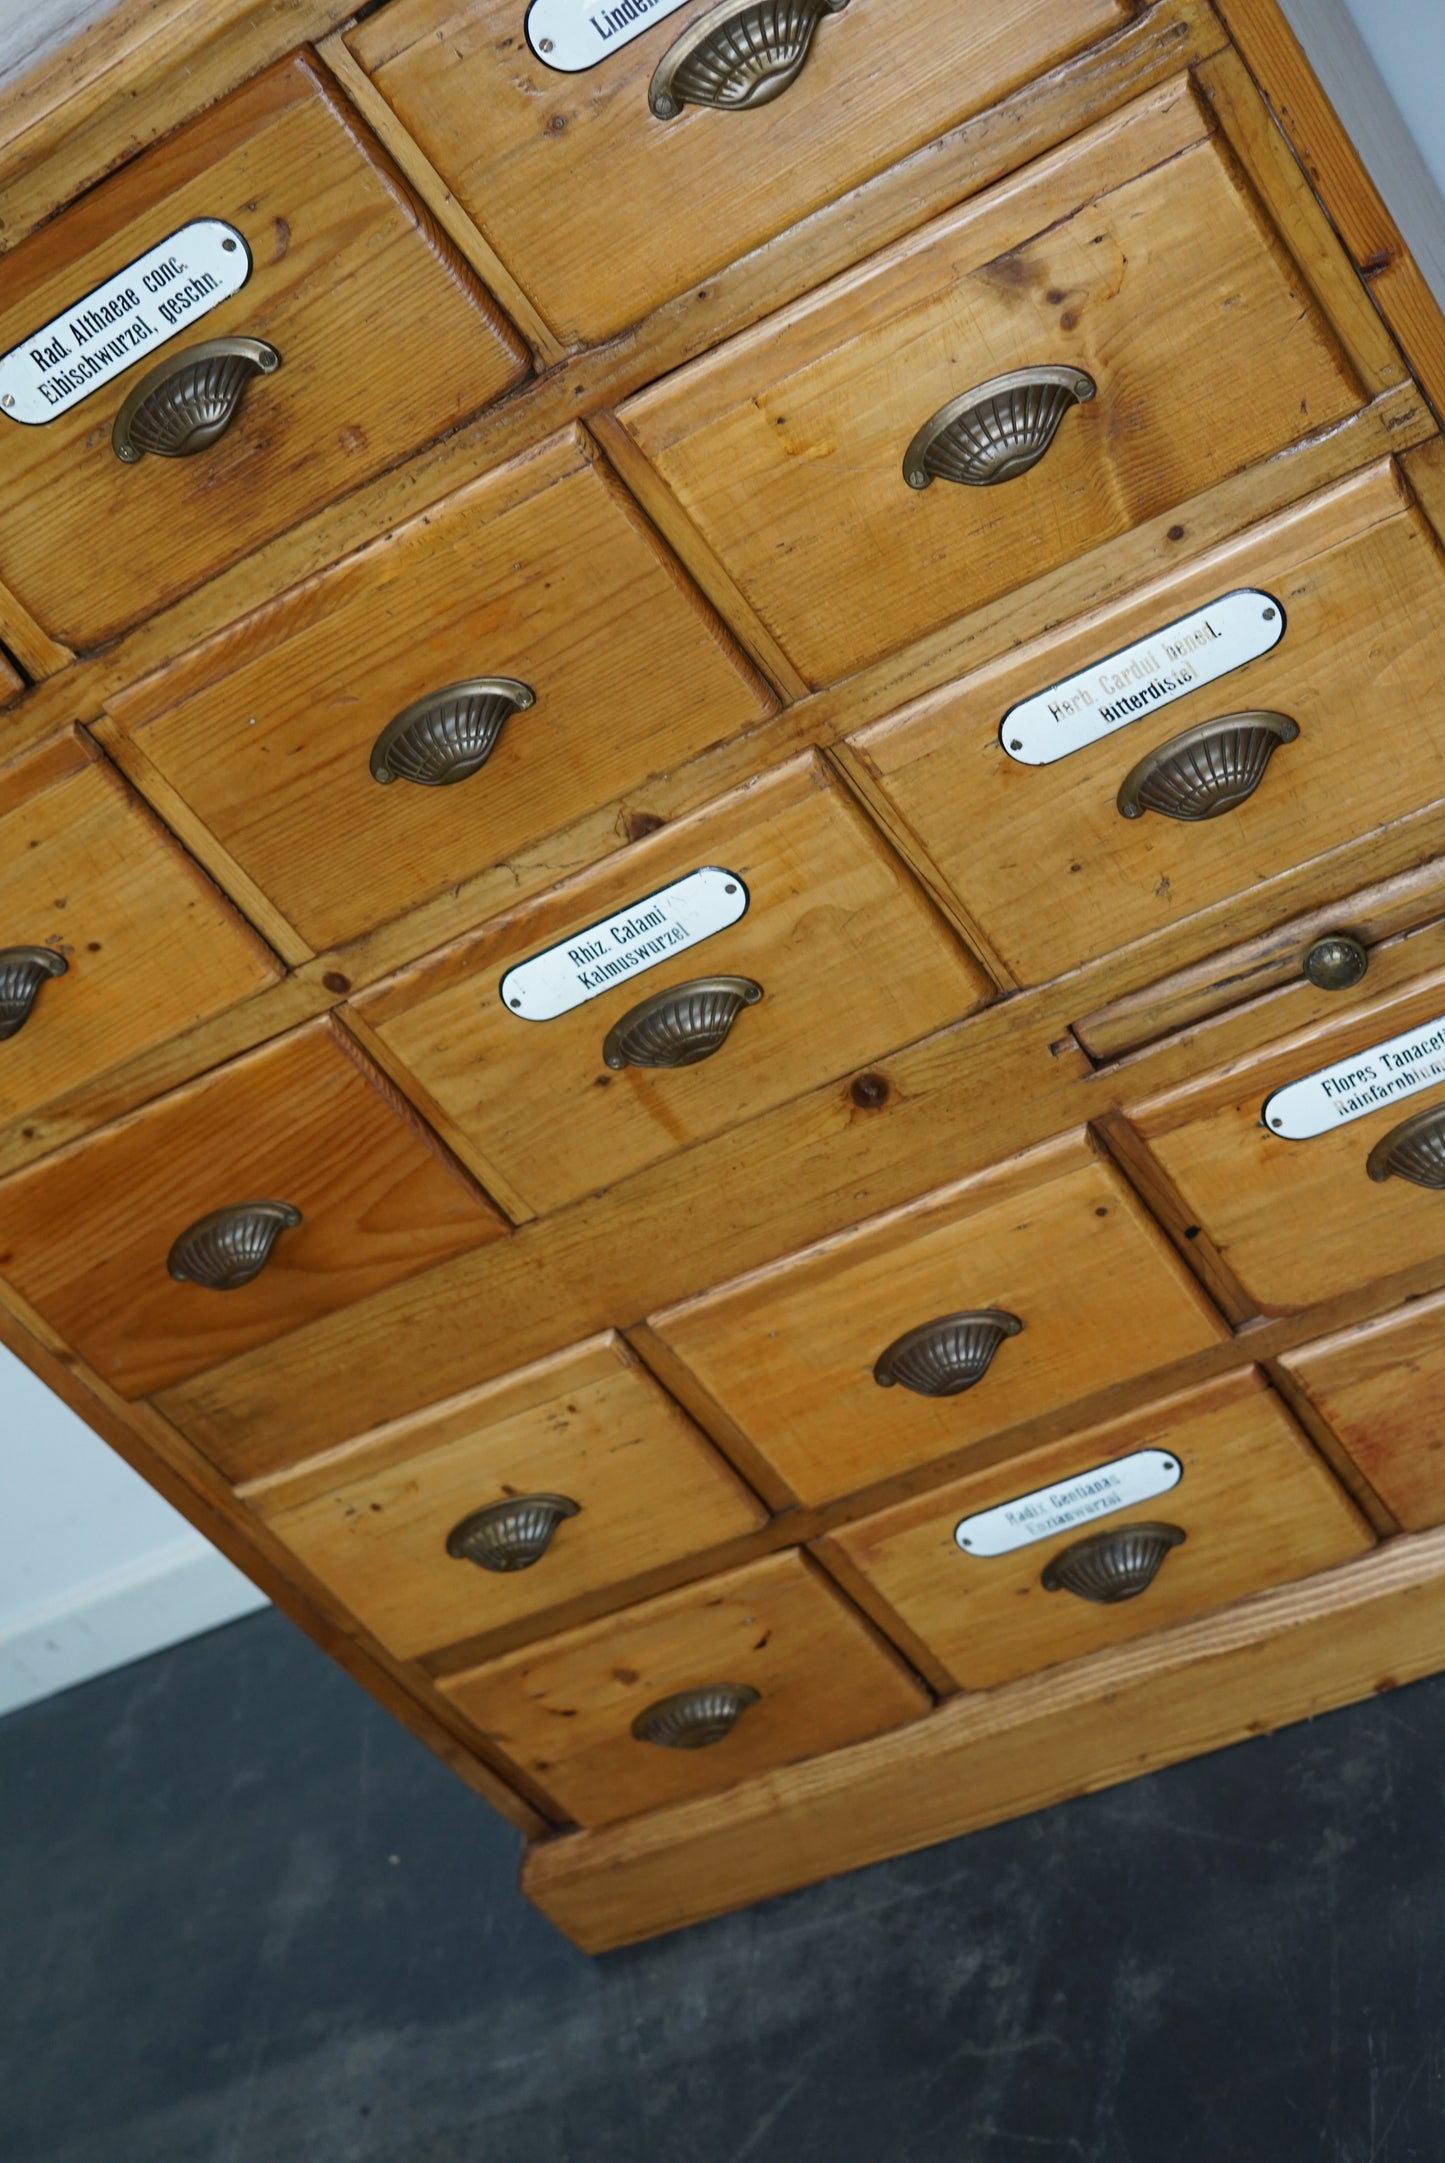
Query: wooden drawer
(1255, 1505)
(851, 960)
(543, 572)
(603, 211)
(1382, 1390)
(1136, 254)
(147, 945)
(1301, 1220)
(564, 1710)
(1357, 579)
(86, 1235)
(384, 339)
(589, 1428)
(1054, 1240)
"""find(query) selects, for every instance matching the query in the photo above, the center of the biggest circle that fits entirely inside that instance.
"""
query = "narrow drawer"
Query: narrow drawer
(1136, 256)
(1025, 1289)
(94, 888)
(384, 340)
(771, 1663)
(1119, 1531)
(1336, 614)
(1309, 1208)
(566, 1477)
(1382, 1390)
(834, 957)
(541, 575)
(332, 1189)
(602, 208)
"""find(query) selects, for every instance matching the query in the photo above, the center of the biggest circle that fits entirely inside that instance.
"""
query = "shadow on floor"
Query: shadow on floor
(246, 1919)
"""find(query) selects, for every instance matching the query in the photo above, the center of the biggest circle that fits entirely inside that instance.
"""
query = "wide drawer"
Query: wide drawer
(1333, 618)
(332, 1189)
(1016, 1292)
(1279, 1154)
(1136, 256)
(788, 1669)
(561, 1084)
(603, 209)
(1071, 1548)
(566, 1477)
(542, 575)
(110, 939)
(1382, 1390)
(290, 228)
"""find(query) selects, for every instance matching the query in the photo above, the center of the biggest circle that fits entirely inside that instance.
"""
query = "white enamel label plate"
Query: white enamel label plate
(1048, 1511)
(640, 936)
(1355, 1087)
(1196, 650)
(141, 308)
(572, 35)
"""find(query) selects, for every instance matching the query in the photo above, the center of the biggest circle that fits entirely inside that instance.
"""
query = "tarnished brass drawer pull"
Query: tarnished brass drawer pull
(1112, 1566)
(184, 404)
(695, 1719)
(735, 57)
(1336, 962)
(509, 1535)
(450, 734)
(229, 1247)
(1208, 770)
(997, 431)
(945, 1357)
(1414, 1150)
(680, 1027)
(23, 969)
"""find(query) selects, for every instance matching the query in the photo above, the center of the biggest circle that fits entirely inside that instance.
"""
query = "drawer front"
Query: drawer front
(816, 1675)
(1055, 1242)
(148, 946)
(850, 959)
(1382, 1390)
(1301, 1220)
(543, 574)
(384, 342)
(572, 1475)
(1071, 1573)
(604, 210)
(88, 1236)
(1357, 580)
(1135, 255)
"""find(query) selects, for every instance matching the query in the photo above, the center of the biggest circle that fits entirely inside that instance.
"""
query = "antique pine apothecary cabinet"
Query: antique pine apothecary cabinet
(722, 885)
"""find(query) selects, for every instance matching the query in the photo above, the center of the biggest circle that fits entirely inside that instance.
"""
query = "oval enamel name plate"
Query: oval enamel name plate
(622, 946)
(1048, 1511)
(573, 35)
(1355, 1087)
(1198, 649)
(141, 308)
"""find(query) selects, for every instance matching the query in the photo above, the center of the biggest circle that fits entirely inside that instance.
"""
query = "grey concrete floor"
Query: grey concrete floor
(245, 1919)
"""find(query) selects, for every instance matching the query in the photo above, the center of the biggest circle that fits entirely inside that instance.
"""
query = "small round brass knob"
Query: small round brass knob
(1337, 962)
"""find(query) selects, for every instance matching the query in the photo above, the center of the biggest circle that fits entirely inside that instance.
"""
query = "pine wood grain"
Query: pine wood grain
(565, 1708)
(1136, 254)
(84, 1235)
(1381, 1390)
(1256, 1506)
(851, 958)
(1055, 1239)
(590, 1424)
(331, 231)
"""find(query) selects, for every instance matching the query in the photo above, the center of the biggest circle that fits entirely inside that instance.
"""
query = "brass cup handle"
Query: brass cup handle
(738, 56)
(188, 400)
(450, 734)
(695, 1719)
(510, 1535)
(228, 1247)
(1112, 1566)
(1414, 1150)
(681, 1026)
(997, 431)
(23, 970)
(1207, 770)
(948, 1355)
